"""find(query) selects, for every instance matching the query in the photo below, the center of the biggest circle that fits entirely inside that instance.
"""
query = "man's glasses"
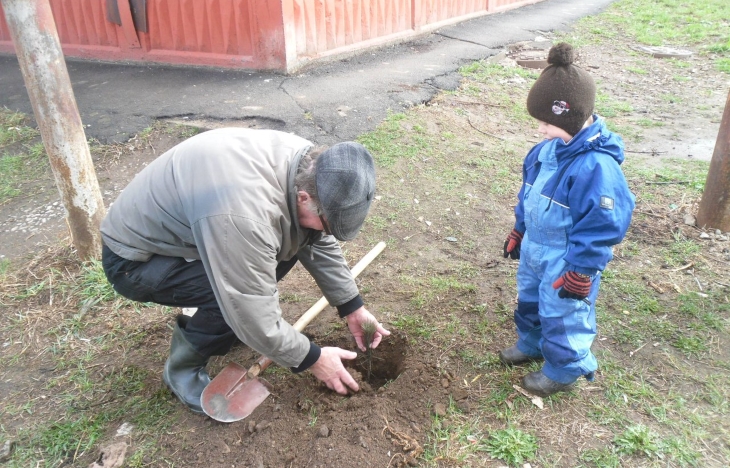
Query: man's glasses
(325, 226)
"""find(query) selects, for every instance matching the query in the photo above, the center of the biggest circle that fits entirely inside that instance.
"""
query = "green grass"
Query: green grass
(603, 458)
(609, 107)
(391, 141)
(512, 446)
(93, 408)
(648, 123)
(489, 77)
(16, 170)
(22, 158)
(14, 128)
(694, 24)
(670, 178)
(414, 325)
(723, 64)
(638, 439)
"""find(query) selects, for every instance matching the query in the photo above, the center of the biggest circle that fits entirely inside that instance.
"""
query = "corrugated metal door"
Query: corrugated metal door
(228, 33)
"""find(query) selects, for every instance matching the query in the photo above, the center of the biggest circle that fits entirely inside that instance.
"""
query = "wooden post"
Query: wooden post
(714, 211)
(46, 78)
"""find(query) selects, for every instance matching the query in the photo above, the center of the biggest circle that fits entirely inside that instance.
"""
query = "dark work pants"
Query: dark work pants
(173, 281)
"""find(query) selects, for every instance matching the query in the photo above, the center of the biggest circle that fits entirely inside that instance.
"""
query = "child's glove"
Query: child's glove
(573, 286)
(512, 245)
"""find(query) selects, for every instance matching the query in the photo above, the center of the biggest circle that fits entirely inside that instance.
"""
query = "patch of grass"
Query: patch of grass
(377, 222)
(681, 252)
(691, 345)
(442, 284)
(14, 128)
(723, 64)
(414, 325)
(681, 452)
(671, 98)
(484, 71)
(492, 77)
(627, 132)
(4, 267)
(181, 130)
(625, 386)
(65, 440)
(290, 298)
(717, 393)
(93, 289)
(649, 123)
(680, 63)
(93, 284)
(608, 107)
(391, 141)
(638, 439)
(674, 175)
(22, 160)
(601, 458)
(476, 360)
(511, 445)
(693, 23)
(17, 170)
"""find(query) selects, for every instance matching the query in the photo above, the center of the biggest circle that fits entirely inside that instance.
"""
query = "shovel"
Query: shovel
(235, 392)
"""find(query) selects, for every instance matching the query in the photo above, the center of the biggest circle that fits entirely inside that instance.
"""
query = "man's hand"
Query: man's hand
(329, 369)
(512, 244)
(355, 321)
(573, 286)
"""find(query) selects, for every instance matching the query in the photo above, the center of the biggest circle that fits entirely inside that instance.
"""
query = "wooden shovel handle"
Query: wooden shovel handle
(318, 307)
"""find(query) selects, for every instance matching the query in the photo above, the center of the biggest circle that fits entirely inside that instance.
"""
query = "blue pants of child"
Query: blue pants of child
(560, 330)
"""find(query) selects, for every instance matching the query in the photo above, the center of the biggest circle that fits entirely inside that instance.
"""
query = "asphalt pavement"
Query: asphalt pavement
(327, 102)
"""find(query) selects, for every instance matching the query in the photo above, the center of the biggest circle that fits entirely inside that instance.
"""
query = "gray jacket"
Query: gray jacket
(226, 197)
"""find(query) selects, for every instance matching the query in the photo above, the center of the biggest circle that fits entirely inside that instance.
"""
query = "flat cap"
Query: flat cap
(345, 179)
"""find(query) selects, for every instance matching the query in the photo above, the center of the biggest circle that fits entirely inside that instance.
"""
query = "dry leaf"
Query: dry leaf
(536, 400)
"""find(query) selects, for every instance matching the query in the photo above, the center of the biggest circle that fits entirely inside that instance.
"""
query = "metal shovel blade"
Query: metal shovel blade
(233, 395)
(235, 392)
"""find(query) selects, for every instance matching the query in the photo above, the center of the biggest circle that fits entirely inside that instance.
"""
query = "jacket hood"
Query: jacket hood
(596, 137)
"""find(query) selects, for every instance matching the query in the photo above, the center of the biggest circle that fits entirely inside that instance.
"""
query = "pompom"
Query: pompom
(561, 54)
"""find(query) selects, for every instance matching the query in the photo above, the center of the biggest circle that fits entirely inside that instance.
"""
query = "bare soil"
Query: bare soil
(418, 372)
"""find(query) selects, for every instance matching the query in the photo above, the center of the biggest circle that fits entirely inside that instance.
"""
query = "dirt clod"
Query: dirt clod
(6, 450)
(464, 407)
(439, 409)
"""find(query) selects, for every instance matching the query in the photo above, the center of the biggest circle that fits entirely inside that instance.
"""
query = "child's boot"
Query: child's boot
(541, 385)
(512, 356)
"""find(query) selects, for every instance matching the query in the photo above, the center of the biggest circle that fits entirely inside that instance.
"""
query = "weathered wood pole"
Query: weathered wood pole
(46, 78)
(714, 211)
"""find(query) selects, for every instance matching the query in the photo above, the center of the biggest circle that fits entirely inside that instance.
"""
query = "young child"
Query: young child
(574, 205)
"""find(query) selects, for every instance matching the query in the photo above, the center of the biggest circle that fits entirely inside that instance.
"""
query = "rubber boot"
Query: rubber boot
(512, 356)
(185, 373)
(541, 385)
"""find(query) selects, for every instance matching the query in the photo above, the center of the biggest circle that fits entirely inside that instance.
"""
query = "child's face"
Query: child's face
(551, 131)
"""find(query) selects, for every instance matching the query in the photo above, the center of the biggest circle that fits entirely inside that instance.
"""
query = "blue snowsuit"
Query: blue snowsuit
(574, 205)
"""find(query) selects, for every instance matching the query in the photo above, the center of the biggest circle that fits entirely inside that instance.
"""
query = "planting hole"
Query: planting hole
(387, 363)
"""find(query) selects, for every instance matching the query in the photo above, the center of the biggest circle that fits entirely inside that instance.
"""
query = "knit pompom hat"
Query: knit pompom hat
(563, 95)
